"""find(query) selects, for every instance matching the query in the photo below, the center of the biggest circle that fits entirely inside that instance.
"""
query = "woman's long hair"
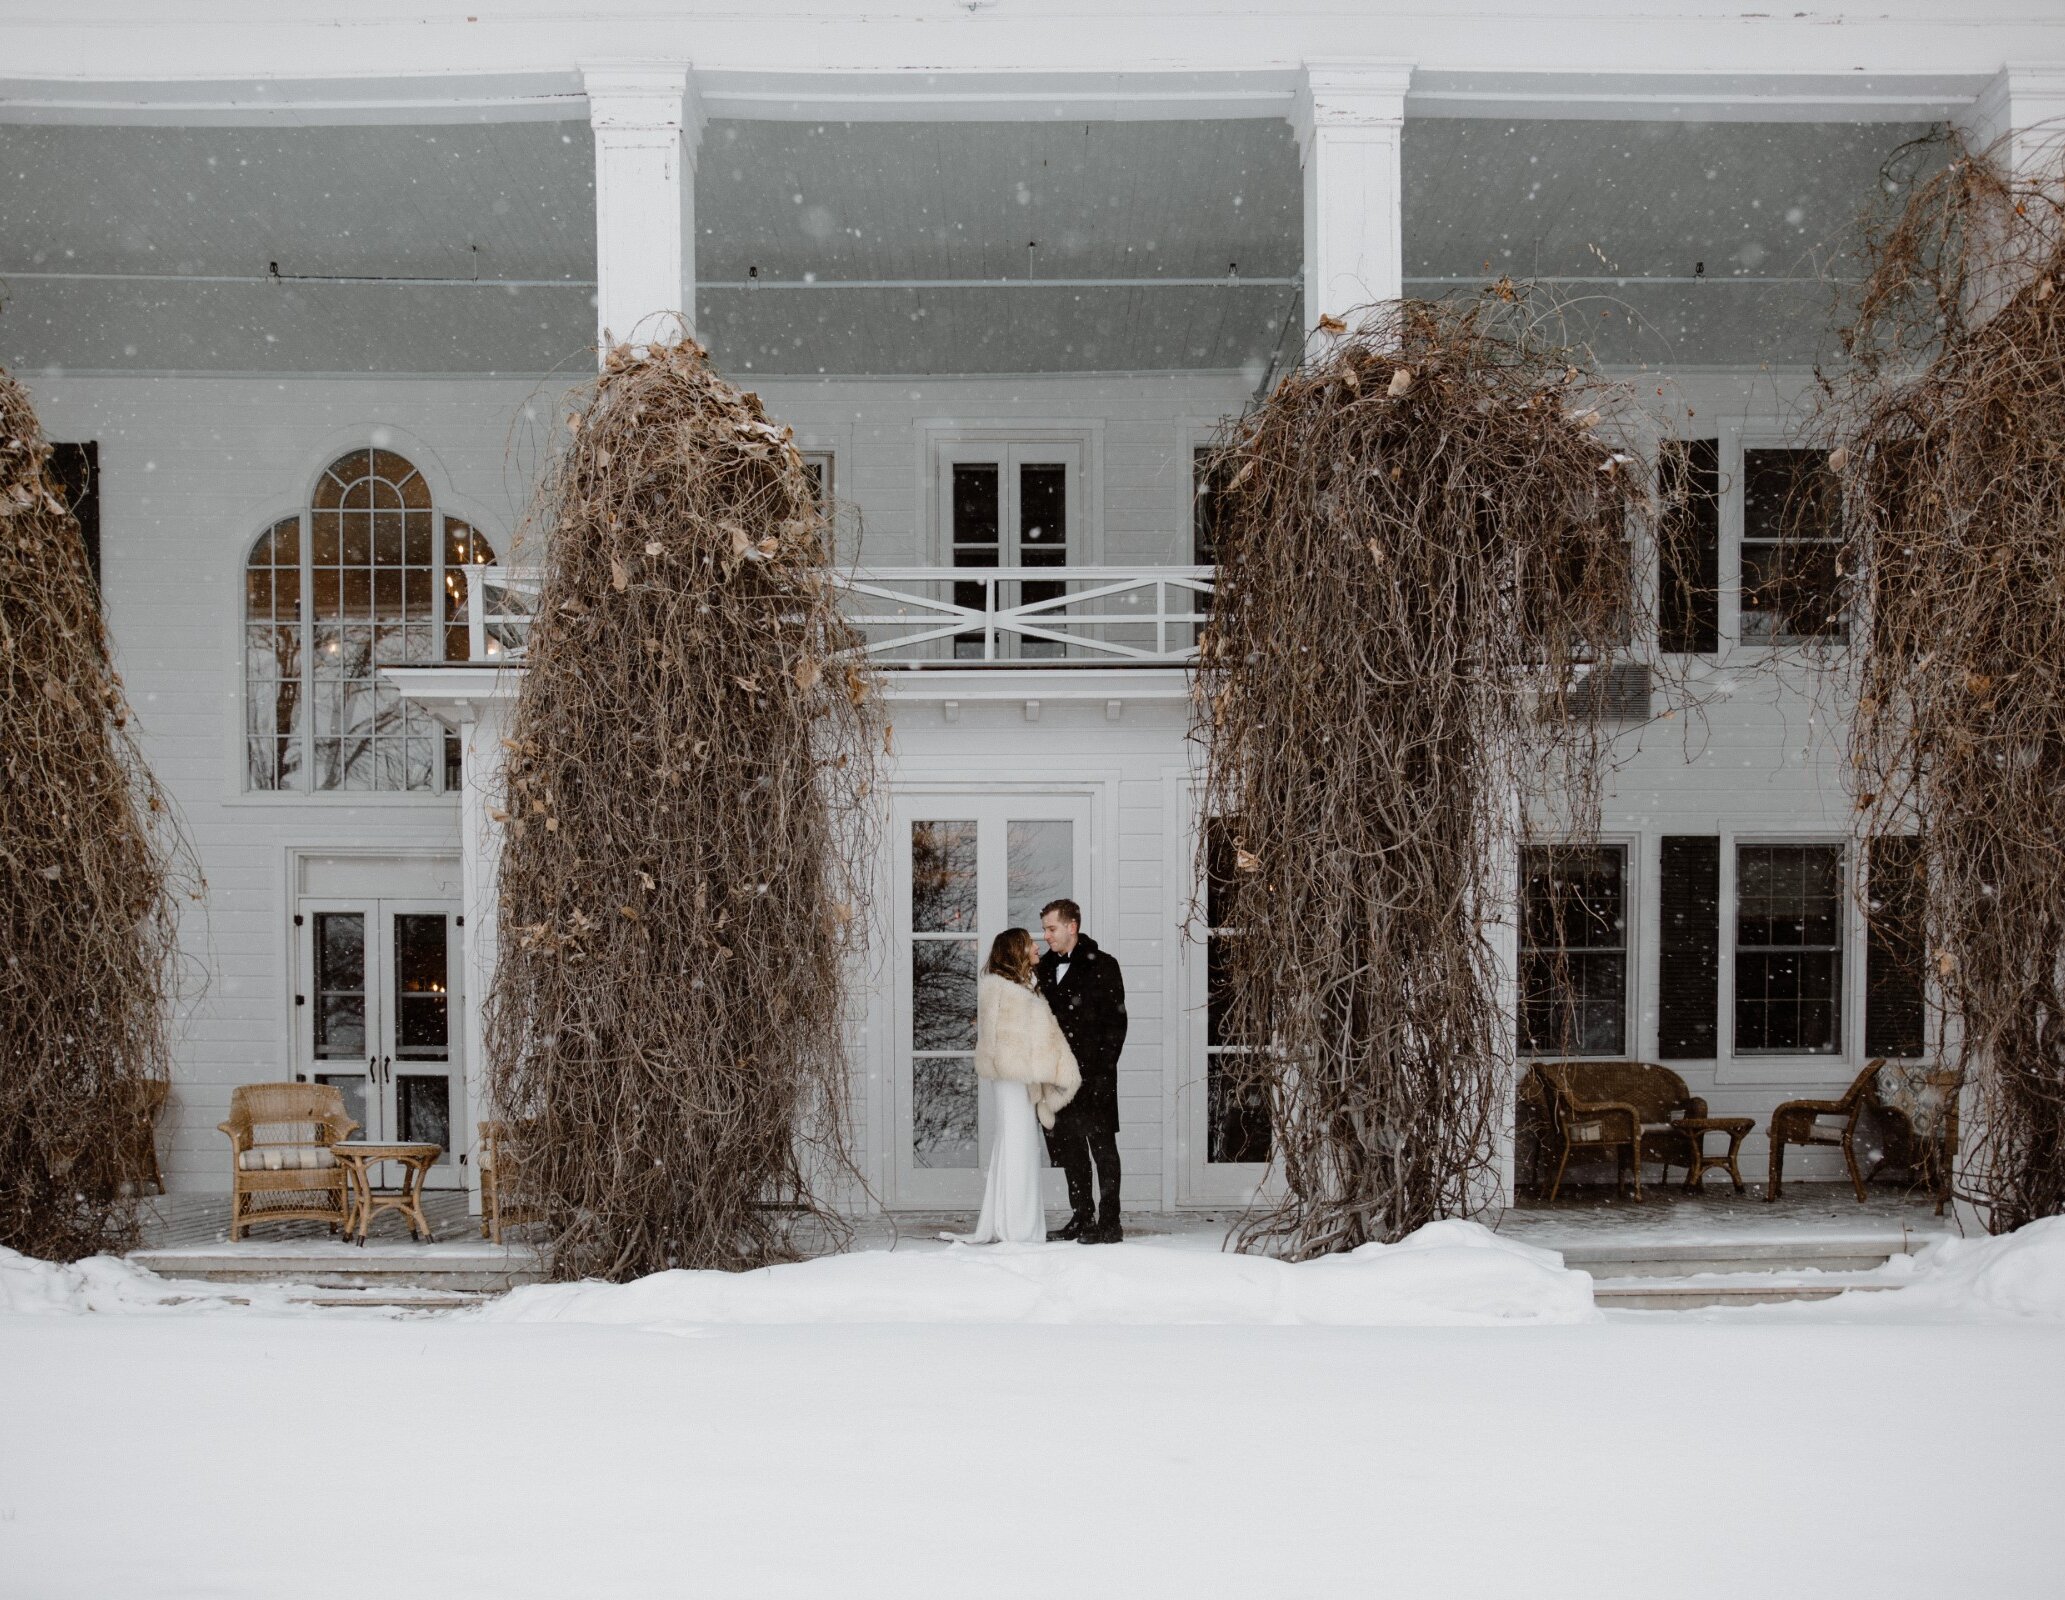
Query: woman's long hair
(1012, 955)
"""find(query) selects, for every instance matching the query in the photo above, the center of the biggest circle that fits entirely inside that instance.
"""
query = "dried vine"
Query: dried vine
(1950, 434)
(90, 871)
(1422, 542)
(684, 843)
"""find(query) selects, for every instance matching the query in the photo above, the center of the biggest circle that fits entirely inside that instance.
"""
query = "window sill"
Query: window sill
(332, 799)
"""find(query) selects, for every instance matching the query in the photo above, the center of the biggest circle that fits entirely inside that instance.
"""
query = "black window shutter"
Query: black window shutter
(77, 470)
(1893, 949)
(1689, 968)
(1689, 557)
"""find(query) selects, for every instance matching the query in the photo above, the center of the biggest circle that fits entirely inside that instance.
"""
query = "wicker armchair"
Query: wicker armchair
(1627, 1107)
(143, 1155)
(497, 1158)
(1825, 1122)
(281, 1167)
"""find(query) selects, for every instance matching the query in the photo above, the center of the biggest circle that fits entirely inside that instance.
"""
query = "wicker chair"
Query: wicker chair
(143, 1156)
(1826, 1123)
(281, 1168)
(1626, 1107)
(497, 1158)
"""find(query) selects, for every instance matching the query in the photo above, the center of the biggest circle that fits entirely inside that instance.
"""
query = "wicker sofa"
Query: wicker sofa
(1630, 1109)
(281, 1168)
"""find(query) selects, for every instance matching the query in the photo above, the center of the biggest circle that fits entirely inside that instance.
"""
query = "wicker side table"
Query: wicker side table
(358, 1158)
(1696, 1129)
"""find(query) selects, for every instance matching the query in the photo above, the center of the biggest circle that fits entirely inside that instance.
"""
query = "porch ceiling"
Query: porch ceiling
(149, 248)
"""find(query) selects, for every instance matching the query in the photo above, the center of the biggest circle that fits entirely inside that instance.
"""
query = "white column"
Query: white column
(1349, 120)
(647, 124)
(2024, 106)
(480, 843)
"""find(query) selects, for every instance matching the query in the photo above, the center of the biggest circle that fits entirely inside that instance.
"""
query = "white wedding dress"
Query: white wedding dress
(1014, 1210)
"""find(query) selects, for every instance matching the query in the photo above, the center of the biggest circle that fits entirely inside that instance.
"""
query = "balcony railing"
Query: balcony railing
(917, 617)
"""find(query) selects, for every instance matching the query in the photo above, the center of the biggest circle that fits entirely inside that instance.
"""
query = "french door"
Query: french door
(378, 1016)
(967, 867)
(1010, 504)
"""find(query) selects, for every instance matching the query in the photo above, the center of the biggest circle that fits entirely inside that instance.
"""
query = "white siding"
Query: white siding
(194, 467)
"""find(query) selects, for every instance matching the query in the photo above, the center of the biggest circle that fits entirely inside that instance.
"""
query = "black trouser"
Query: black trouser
(1076, 1145)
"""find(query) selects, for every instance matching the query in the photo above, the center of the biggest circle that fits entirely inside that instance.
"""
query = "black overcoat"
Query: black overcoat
(1090, 1005)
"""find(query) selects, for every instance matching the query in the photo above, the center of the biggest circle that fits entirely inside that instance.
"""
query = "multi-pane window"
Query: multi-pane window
(1793, 587)
(368, 578)
(1788, 949)
(1237, 1109)
(1011, 510)
(1574, 951)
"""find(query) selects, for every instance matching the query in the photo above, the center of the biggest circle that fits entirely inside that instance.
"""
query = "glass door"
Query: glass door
(378, 1017)
(1010, 504)
(968, 866)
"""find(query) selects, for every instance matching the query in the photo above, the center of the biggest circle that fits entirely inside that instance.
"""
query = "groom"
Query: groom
(1082, 984)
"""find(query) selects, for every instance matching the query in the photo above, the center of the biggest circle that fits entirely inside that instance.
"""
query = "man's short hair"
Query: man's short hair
(1066, 910)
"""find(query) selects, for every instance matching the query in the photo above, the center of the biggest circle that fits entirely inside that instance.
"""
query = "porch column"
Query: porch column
(480, 847)
(2025, 106)
(647, 125)
(1349, 119)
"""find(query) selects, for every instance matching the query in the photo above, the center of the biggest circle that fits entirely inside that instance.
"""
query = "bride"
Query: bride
(1021, 1055)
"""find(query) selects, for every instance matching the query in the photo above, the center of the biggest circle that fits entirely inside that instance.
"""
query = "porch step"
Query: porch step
(405, 1270)
(1733, 1289)
(1619, 1259)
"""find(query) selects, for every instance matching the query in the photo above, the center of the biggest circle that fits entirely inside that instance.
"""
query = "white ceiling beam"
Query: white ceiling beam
(1000, 95)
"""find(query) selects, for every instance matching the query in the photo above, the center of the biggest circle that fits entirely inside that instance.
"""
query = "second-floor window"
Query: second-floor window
(1793, 587)
(1011, 505)
(367, 578)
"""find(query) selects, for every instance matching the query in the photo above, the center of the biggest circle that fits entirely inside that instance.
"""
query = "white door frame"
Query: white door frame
(990, 806)
(1199, 1181)
(382, 1059)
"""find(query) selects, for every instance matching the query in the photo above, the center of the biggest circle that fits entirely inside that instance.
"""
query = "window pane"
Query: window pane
(1042, 506)
(1792, 584)
(351, 1086)
(1239, 1112)
(1788, 959)
(975, 503)
(945, 1113)
(422, 1028)
(943, 994)
(1573, 952)
(1040, 865)
(942, 877)
(423, 1107)
(340, 984)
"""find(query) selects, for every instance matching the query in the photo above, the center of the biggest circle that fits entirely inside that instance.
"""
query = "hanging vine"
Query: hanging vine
(685, 840)
(1949, 426)
(91, 869)
(1422, 549)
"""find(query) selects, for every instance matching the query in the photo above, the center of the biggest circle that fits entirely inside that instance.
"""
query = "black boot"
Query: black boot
(1105, 1233)
(1079, 1225)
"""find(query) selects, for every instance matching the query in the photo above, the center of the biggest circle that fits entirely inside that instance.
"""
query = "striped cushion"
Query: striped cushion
(285, 1158)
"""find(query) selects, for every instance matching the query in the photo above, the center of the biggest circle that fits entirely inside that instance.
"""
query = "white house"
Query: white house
(306, 285)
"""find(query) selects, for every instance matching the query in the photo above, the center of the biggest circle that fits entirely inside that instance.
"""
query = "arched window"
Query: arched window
(364, 579)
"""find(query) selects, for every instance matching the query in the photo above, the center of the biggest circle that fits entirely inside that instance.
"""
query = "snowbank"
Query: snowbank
(99, 1283)
(29, 1287)
(1448, 1273)
(2019, 1274)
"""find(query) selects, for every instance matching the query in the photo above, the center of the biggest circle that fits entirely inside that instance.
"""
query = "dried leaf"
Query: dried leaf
(1401, 380)
(619, 579)
(1329, 323)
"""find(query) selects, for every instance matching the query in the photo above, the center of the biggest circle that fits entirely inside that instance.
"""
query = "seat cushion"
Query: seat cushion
(286, 1158)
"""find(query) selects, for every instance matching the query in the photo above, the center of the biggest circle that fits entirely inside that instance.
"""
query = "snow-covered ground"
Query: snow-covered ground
(1447, 1417)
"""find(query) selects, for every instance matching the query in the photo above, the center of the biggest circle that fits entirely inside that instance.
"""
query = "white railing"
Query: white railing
(963, 616)
(948, 616)
(499, 605)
